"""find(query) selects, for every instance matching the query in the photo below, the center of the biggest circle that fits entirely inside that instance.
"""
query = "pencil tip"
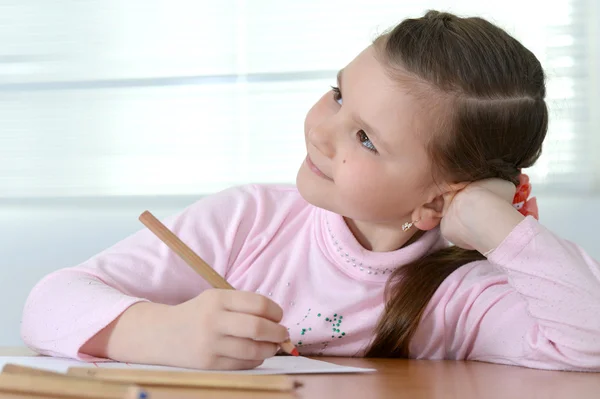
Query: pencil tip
(295, 352)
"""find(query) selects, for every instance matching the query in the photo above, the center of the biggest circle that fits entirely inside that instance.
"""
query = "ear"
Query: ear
(430, 214)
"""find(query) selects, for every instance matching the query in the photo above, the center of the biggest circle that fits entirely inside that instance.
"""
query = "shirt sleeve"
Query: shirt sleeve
(534, 303)
(68, 307)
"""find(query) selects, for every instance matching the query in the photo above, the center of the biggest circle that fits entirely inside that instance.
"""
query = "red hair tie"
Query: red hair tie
(520, 202)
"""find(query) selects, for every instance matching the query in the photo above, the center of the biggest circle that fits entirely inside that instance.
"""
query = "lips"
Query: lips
(315, 169)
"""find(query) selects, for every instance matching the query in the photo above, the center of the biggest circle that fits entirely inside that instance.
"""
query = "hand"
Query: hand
(222, 329)
(480, 215)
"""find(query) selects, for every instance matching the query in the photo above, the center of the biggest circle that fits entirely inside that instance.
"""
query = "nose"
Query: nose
(322, 136)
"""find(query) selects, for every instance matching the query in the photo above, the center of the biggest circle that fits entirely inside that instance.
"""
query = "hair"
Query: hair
(487, 92)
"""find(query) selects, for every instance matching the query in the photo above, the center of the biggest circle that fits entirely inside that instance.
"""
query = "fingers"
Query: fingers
(251, 303)
(502, 188)
(228, 363)
(243, 325)
(241, 329)
(245, 349)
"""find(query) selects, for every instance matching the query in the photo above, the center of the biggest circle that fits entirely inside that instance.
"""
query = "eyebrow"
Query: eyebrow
(370, 130)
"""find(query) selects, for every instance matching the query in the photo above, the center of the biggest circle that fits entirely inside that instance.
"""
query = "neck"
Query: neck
(381, 237)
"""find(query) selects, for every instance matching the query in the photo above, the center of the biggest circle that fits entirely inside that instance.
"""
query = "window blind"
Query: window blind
(181, 97)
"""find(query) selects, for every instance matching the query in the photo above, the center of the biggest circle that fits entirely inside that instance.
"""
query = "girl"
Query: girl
(421, 143)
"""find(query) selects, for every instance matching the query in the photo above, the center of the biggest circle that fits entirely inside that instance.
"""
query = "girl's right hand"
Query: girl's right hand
(223, 330)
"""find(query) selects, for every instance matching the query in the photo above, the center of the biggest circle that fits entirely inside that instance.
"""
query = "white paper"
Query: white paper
(274, 365)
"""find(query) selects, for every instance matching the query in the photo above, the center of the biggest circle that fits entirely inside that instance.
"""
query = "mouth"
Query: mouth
(315, 169)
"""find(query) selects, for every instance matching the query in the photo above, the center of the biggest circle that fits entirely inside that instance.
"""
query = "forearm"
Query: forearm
(490, 222)
(135, 336)
(551, 320)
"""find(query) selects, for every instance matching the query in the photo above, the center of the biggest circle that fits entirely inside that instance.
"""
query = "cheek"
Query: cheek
(360, 180)
(371, 193)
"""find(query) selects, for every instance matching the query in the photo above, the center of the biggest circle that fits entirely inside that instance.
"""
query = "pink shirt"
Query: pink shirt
(535, 302)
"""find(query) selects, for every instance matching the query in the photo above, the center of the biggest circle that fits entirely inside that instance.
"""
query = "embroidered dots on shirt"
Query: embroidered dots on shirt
(350, 260)
(332, 322)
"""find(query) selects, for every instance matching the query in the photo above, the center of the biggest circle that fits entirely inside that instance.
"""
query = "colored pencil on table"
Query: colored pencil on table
(195, 262)
(10, 368)
(31, 381)
(189, 379)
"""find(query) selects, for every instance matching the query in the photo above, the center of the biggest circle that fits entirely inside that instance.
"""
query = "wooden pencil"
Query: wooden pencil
(45, 383)
(18, 369)
(195, 262)
(188, 379)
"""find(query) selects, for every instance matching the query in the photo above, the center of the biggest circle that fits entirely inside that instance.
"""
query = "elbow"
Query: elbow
(38, 321)
(566, 356)
(33, 321)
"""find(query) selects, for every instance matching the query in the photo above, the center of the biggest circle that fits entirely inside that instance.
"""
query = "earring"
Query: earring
(406, 226)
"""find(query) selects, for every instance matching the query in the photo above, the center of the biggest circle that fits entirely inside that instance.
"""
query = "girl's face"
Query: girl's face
(365, 140)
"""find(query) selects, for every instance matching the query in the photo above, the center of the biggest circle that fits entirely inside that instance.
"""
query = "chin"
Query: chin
(325, 197)
(304, 186)
(314, 193)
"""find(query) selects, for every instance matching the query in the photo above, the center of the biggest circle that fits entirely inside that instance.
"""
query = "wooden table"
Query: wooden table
(415, 379)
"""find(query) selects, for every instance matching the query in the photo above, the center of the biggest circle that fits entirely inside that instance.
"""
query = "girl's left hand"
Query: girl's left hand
(481, 215)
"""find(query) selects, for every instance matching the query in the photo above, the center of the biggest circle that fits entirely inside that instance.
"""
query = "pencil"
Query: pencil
(24, 380)
(18, 369)
(188, 379)
(195, 262)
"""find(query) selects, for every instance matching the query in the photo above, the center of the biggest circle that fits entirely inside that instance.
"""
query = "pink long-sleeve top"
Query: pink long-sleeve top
(534, 302)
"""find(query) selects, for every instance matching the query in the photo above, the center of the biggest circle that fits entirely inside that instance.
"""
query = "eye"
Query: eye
(362, 136)
(337, 94)
(365, 141)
